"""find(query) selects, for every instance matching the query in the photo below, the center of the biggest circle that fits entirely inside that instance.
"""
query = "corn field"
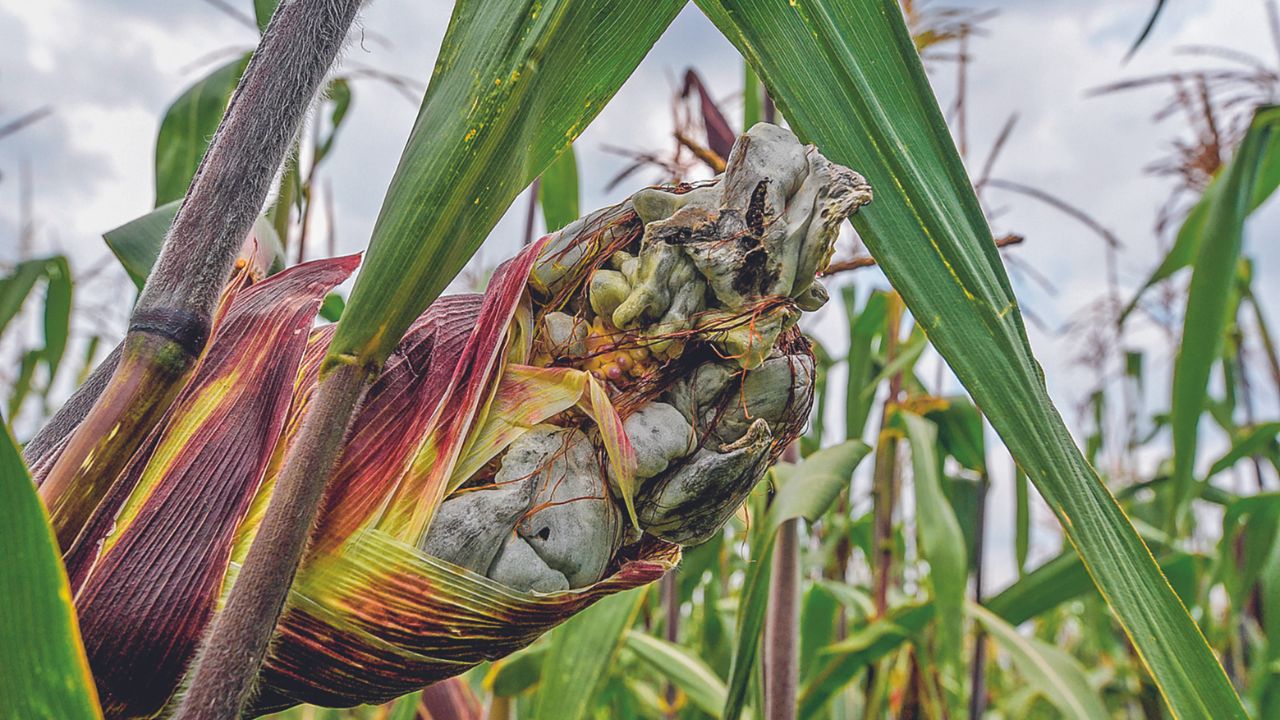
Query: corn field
(628, 470)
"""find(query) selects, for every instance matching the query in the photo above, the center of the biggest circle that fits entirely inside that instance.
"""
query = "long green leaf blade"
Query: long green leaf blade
(847, 77)
(515, 83)
(1195, 226)
(43, 669)
(943, 545)
(57, 315)
(558, 191)
(1209, 299)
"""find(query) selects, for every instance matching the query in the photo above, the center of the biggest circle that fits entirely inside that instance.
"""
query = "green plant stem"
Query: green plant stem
(173, 318)
(236, 645)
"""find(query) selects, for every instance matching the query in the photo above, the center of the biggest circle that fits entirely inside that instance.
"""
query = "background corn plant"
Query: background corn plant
(829, 599)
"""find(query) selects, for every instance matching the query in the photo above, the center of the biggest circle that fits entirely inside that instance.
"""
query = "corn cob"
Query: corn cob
(615, 393)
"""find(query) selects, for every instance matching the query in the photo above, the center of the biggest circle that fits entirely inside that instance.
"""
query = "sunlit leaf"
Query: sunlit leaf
(168, 521)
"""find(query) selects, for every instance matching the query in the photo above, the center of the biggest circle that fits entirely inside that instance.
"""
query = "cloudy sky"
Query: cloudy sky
(108, 69)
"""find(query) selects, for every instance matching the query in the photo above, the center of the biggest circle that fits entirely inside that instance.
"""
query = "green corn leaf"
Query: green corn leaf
(942, 544)
(187, 127)
(1021, 519)
(57, 315)
(1209, 298)
(16, 286)
(752, 107)
(1190, 238)
(338, 99)
(136, 244)
(846, 76)
(1052, 672)
(1258, 439)
(1146, 28)
(1060, 580)
(842, 661)
(332, 306)
(580, 654)
(960, 433)
(806, 491)
(515, 83)
(43, 669)
(1256, 517)
(683, 669)
(558, 191)
(903, 363)
(21, 386)
(864, 327)
(404, 708)
(819, 612)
